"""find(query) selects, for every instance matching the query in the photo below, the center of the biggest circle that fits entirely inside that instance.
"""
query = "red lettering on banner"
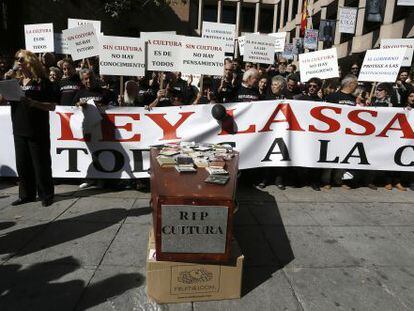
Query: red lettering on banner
(65, 129)
(318, 115)
(109, 127)
(169, 130)
(368, 126)
(224, 131)
(290, 118)
(405, 127)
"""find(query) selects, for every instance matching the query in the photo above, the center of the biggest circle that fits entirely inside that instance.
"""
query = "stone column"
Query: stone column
(274, 28)
(323, 16)
(257, 17)
(200, 16)
(219, 10)
(389, 12)
(341, 3)
(282, 14)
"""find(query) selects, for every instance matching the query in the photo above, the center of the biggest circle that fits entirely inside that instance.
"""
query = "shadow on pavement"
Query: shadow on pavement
(68, 230)
(6, 224)
(37, 287)
(259, 230)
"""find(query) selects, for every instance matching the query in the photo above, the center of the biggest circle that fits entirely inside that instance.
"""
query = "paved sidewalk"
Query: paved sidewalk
(305, 250)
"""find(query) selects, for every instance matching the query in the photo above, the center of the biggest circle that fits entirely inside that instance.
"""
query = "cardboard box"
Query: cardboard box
(173, 282)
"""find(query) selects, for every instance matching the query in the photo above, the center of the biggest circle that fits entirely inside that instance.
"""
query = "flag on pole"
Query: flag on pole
(304, 19)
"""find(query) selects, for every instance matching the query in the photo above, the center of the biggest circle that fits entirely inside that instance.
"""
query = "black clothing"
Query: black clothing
(290, 95)
(68, 88)
(308, 97)
(34, 167)
(341, 98)
(31, 132)
(271, 96)
(246, 94)
(227, 93)
(98, 94)
(29, 121)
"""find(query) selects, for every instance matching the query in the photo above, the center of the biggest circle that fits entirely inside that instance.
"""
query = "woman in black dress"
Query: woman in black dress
(31, 131)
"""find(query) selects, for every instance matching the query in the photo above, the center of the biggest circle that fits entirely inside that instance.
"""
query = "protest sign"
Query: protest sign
(259, 49)
(202, 56)
(320, 64)
(269, 133)
(220, 32)
(39, 38)
(61, 46)
(122, 56)
(241, 41)
(327, 30)
(82, 41)
(288, 52)
(311, 39)
(149, 34)
(164, 52)
(400, 43)
(75, 22)
(347, 19)
(381, 65)
(280, 38)
(405, 2)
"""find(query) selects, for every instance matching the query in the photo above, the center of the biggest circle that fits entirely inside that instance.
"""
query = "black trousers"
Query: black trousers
(34, 167)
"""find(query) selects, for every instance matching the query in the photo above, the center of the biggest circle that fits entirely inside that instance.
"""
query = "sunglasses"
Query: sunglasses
(20, 59)
(282, 63)
(354, 68)
(380, 90)
(313, 86)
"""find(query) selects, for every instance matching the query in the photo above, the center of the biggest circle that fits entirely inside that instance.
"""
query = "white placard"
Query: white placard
(11, 90)
(82, 41)
(61, 46)
(202, 56)
(76, 22)
(259, 49)
(405, 2)
(320, 64)
(400, 43)
(39, 38)
(241, 41)
(347, 19)
(122, 56)
(164, 52)
(220, 32)
(148, 35)
(280, 39)
(381, 65)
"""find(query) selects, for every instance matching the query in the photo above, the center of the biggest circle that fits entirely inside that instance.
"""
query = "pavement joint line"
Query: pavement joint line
(295, 295)
(48, 224)
(290, 268)
(100, 261)
(325, 226)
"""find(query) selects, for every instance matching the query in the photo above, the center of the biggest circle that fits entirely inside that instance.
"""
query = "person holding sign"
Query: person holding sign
(30, 120)
(70, 83)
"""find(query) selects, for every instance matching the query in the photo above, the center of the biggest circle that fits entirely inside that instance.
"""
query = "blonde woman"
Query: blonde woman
(30, 119)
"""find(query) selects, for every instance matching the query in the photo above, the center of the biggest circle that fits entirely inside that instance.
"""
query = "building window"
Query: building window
(247, 19)
(266, 20)
(229, 15)
(210, 13)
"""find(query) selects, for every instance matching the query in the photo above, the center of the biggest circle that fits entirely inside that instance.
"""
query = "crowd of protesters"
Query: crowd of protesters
(72, 83)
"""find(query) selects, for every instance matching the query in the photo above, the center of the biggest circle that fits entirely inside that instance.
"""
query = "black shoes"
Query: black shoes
(281, 186)
(315, 187)
(20, 201)
(47, 202)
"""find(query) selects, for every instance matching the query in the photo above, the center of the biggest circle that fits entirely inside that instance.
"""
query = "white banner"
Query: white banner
(202, 56)
(405, 2)
(259, 49)
(400, 43)
(122, 56)
(320, 64)
(347, 19)
(148, 35)
(164, 52)
(381, 65)
(82, 41)
(280, 39)
(222, 33)
(61, 46)
(39, 38)
(76, 22)
(267, 133)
